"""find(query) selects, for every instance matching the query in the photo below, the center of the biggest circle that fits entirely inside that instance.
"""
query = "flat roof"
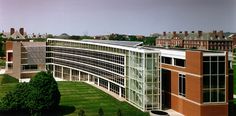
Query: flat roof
(115, 42)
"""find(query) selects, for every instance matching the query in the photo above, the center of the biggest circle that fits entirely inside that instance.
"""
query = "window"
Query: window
(214, 79)
(182, 85)
(166, 60)
(179, 62)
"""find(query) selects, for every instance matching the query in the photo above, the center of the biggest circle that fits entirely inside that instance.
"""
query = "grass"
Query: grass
(84, 96)
(79, 95)
(4, 79)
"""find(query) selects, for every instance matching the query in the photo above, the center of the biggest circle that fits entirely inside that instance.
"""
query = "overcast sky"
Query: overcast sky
(97, 17)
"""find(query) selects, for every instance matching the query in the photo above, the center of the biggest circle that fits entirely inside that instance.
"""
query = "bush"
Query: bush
(100, 112)
(44, 93)
(119, 113)
(81, 112)
(40, 95)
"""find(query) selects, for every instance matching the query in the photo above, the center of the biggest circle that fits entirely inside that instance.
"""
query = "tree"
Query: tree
(2, 52)
(119, 113)
(44, 93)
(38, 96)
(81, 112)
(100, 112)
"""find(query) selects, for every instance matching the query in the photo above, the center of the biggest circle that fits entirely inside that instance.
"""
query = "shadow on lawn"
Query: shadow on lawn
(232, 109)
(62, 110)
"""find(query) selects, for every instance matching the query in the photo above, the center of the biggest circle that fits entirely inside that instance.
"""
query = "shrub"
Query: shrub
(119, 113)
(81, 112)
(100, 112)
(40, 95)
(44, 93)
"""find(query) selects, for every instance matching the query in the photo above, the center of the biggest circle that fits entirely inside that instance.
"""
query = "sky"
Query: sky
(100, 17)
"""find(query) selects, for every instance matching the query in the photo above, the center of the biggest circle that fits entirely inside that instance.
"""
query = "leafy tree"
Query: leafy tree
(38, 96)
(16, 100)
(100, 112)
(119, 113)
(2, 52)
(81, 112)
(44, 93)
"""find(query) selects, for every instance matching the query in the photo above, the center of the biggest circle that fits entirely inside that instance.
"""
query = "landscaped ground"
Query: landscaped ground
(77, 95)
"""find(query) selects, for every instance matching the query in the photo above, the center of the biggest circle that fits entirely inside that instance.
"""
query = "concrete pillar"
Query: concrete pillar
(62, 73)
(70, 75)
(79, 75)
(120, 92)
(173, 61)
(98, 81)
(88, 78)
(53, 71)
(108, 86)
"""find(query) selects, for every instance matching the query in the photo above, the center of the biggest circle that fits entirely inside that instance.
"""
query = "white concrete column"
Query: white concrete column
(79, 75)
(62, 73)
(108, 85)
(120, 92)
(173, 61)
(70, 75)
(88, 78)
(98, 81)
(53, 71)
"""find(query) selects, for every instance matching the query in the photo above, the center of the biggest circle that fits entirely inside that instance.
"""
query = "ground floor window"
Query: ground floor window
(182, 83)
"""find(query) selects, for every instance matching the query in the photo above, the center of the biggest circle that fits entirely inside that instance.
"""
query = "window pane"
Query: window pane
(180, 85)
(221, 67)
(213, 67)
(213, 95)
(213, 81)
(221, 81)
(179, 62)
(206, 67)
(206, 58)
(183, 86)
(206, 82)
(221, 58)
(206, 96)
(213, 58)
(221, 95)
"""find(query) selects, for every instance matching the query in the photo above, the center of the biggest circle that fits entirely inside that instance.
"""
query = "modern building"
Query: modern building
(191, 82)
(24, 59)
(197, 40)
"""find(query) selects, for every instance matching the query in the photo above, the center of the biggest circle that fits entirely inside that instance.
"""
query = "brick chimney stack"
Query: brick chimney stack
(221, 34)
(12, 31)
(199, 33)
(186, 33)
(21, 31)
(164, 33)
(215, 33)
(174, 33)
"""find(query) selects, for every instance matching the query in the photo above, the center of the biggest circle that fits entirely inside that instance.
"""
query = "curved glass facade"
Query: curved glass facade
(130, 72)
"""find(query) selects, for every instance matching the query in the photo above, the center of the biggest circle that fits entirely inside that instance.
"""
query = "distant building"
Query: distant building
(200, 40)
(24, 59)
(13, 34)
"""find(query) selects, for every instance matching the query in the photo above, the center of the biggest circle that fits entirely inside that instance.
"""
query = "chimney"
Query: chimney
(186, 33)
(192, 31)
(214, 33)
(174, 33)
(180, 32)
(221, 34)
(12, 31)
(199, 33)
(21, 31)
(164, 33)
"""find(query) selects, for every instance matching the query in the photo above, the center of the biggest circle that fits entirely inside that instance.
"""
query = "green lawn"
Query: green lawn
(79, 95)
(82, 95)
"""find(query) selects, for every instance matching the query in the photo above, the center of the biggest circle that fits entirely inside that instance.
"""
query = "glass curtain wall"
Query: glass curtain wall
(143, 80)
